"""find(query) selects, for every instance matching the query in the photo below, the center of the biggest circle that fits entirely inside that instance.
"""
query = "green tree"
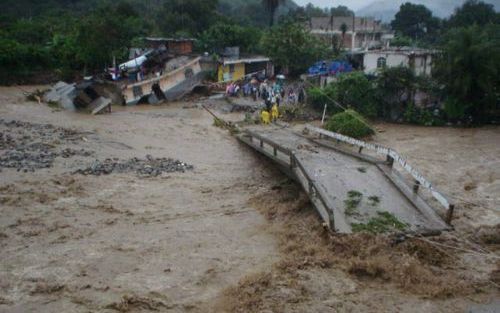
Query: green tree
(395, 87)
(103, 34)
(317, 97)
(350, 123)
(356, 91)
(343, 29)
(402, 41)
(272, 7)
(314, 11)
(291, 46)
(341, 10)
(352, 90)
(473, 12)
(223, 35)
(469, 69)
(415, 21)
(186, 16)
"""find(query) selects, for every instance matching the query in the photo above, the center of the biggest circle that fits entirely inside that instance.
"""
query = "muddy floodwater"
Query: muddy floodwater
(463, 163)
(74, 243)
(155, 209)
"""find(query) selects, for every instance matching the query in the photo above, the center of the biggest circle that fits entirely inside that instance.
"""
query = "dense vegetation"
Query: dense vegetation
(465, 73)
(65, 38)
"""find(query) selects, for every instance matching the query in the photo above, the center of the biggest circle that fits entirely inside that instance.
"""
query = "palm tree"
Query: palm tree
(343, 29)
(271, 7)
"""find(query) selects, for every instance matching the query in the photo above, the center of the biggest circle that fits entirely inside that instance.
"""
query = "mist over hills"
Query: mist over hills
(385, 10)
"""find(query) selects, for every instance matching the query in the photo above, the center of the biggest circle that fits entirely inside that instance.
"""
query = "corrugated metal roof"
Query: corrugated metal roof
(247, 60)
(162, 39)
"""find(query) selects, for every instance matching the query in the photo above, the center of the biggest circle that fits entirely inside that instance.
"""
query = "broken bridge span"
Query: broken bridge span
(348, 187)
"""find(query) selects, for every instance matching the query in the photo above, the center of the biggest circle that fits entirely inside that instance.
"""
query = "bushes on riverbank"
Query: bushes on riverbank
(349, 123)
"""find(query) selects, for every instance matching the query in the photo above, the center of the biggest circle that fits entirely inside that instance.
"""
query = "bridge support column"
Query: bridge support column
(449, 214)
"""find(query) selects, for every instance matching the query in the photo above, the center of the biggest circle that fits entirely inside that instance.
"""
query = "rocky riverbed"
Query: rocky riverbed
(27, 147)
(150, 167)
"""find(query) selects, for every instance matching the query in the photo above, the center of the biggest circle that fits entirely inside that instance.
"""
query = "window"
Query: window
(188, 73)
(231, 68)
(381, 62)
(137, 90)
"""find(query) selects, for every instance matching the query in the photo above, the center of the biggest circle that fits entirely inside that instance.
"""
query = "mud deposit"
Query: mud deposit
(230, 234)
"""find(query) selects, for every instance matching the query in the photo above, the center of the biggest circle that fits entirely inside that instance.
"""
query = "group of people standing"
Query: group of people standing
(272, 93)
(268, 91)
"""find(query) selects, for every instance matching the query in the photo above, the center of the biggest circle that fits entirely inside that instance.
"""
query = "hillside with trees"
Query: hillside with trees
(387, 9)
(61, 38)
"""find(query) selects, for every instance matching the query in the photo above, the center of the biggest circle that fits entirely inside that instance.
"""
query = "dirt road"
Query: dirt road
(230, 235)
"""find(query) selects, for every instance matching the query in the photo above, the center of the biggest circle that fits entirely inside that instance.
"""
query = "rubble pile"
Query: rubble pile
(149, 167)
(27, 147)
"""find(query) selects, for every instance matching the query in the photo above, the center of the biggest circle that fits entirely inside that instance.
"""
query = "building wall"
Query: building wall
(231, 72)
(421, 64)
(358, 24)
(134, 92)
(180, 47)
(392, 60)
(361, 40)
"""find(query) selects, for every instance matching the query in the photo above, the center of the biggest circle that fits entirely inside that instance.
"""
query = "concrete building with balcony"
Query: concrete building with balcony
(355, 33)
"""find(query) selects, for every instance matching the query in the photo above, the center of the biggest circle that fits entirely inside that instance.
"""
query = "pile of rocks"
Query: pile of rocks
(45, 132)
(149, 167)
(27, 161)
(27, 147)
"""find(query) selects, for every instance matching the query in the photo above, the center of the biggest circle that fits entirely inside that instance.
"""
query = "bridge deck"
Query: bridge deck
(329, 176)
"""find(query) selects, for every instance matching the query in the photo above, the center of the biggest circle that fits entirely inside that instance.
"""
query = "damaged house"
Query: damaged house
(165, 69)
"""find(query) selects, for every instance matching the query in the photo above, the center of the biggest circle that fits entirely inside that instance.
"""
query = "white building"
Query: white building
(420, 60)
(355, 33)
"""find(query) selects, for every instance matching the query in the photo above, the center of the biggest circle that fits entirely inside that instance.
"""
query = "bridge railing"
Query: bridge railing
(294, 165)
(391, 157)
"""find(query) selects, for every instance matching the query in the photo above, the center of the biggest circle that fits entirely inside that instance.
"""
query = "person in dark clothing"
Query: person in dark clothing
(302, 95)
(268, 103)
(264, 95)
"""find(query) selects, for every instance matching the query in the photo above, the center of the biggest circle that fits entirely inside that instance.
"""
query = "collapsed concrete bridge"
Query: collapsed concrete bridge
(350, 188)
